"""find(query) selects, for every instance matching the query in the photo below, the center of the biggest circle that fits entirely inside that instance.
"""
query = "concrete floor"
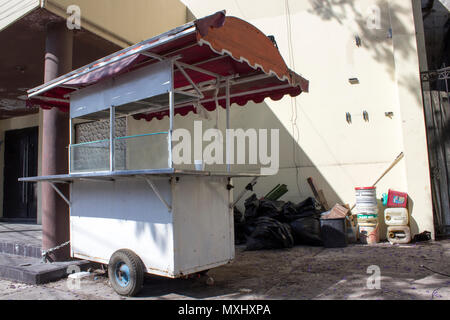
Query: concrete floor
(297, 273)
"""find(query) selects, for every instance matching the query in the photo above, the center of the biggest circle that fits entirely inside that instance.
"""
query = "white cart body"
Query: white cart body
(196, 235)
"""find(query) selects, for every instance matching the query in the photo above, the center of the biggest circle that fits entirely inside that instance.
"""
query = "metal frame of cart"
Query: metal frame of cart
(130, 207)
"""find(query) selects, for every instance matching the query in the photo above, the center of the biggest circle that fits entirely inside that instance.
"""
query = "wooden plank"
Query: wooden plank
(323, 200)
(313, 188)
(318, 194)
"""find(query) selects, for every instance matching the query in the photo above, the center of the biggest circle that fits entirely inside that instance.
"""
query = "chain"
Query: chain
(45, 253)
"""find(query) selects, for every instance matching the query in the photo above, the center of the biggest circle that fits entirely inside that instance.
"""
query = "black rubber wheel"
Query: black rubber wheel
(126, 272)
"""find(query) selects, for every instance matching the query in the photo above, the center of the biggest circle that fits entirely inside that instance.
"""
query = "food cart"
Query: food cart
(130, 206)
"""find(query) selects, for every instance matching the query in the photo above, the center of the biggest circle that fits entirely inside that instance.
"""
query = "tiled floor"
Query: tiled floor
(30, 234)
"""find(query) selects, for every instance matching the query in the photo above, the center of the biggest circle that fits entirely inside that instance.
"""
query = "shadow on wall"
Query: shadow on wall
(377, 35)
(371, 30)
(295, 167)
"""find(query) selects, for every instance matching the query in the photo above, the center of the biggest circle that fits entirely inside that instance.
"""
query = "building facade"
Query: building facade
(363, 59)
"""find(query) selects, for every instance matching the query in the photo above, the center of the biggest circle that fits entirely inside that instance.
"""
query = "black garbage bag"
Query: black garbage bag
(237, 215)
(255, 208)
(289, 211)
(292, 212)
(239, 227)
(251, 205)
(239, 233)
(270, 234)
(306, 231)
(271, 209)
(306, 206)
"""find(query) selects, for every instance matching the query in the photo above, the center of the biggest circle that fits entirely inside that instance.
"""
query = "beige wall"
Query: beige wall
(125, 22)
(122, 22)
(14, 124)
(319, 44)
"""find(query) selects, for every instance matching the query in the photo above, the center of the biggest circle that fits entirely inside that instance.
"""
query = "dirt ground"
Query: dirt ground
(298, 273)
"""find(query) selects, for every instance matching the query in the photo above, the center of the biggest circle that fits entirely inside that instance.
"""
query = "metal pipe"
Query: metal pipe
(60, 194)
(228, 120)
(209, 73)
(243, 192)
(171, 113)
(155, 190)
(189, 79)
(70, 143)
(239, 94)
(112, 129)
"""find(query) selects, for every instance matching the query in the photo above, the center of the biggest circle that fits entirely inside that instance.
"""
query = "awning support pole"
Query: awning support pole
(200, 94)
(112, 127)
(209, 73)
(240, 94)
(61, 194)
(71, 136)
(171, 113)
(228, 118)
(155, 190)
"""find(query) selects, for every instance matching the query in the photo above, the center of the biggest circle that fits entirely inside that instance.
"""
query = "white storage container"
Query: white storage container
(366, 201)
(367, 210)
(399, 234)
(396, 216)
(366, 196)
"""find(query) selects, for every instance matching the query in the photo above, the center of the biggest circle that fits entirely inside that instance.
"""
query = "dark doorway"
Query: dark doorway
(21, 160)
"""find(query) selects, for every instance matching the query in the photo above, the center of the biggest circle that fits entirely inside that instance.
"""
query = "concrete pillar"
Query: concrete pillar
(407, 68)
(55, 139)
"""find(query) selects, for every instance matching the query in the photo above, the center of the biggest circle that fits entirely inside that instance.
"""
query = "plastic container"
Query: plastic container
(368, 218)
(369, 233)
(396, 217)
(366, 196)
(334, 232)
(399, 234)
(367, 210)
(397, 199)
(366, 201)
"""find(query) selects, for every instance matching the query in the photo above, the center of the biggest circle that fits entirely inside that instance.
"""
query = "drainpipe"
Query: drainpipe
(55, 140)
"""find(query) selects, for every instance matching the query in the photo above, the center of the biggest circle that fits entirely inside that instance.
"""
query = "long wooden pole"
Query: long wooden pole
(393, 164)
(397, 160)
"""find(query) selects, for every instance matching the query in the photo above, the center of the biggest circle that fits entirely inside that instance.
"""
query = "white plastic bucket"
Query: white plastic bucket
(366, 201)
(366, 196)
(367, 210)
(396, 216)
(369, 233)
(367, 218)
(399, 234)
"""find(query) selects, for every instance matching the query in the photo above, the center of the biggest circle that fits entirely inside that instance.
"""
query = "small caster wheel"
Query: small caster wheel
(126, 272)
